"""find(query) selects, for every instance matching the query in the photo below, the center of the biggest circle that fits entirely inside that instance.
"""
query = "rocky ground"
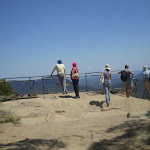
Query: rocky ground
(57, 121)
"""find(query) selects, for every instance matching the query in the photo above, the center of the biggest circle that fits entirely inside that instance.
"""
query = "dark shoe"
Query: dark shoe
(128, 96)
(64, 92)
(107, 105)
(75, 97)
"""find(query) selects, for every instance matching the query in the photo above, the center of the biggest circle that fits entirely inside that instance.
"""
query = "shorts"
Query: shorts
(128, 83)
(147, 83)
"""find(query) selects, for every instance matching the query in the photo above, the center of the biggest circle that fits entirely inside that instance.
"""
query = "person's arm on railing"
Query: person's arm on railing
(52, 71)
(119, 72)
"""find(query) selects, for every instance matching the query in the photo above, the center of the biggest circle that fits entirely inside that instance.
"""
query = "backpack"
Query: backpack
(75, 75)
(123, 76)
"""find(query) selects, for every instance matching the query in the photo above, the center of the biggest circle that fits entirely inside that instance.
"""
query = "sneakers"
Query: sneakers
(107, 105)
(128, 96)
(65, 92)
(77, 97)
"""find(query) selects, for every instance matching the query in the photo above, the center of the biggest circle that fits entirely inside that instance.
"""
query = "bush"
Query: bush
(6, 117)
(6, 88)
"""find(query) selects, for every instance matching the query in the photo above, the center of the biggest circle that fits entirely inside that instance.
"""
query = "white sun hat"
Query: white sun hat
(107, 66)
(145, 68)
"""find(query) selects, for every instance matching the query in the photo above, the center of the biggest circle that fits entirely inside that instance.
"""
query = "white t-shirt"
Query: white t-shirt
(60, 68)
(146, 74)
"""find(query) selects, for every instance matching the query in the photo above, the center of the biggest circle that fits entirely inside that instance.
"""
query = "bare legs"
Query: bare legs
(128, 91)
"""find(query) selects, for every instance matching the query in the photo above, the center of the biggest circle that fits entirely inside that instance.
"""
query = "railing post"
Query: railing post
(123, 87)
(147, 95)
(4, 87)
(136, 94)
(133, 87)
(33, 87)
(86, 82)
(43, 86)
(30, 86)
(144, 93)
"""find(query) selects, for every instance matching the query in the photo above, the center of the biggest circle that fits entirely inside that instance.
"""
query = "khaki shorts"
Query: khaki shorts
(147, 83)
(128, 83)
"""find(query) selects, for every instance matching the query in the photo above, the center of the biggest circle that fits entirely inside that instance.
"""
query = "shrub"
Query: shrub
(6, 117)
(6, 88)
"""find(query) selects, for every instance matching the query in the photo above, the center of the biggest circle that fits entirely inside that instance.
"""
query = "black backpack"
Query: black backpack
(123, 76)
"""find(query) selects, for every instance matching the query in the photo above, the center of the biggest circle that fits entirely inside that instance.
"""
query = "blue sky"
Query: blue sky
(34, 34)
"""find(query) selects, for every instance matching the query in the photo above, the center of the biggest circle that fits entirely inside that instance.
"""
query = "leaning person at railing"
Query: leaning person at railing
(146, 79)
(75, 79)
(126, 77)
(61, 73)
(107, 82)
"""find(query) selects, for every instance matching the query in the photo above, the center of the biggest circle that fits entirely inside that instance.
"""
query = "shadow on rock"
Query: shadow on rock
(97, 103)
(66, 96)
(33, 144)
(135, 136)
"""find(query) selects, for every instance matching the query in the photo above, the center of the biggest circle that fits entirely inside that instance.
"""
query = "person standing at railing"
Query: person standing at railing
(61, 73)
(126, 77)
(75, 79)
(146, 79)
(107, 75)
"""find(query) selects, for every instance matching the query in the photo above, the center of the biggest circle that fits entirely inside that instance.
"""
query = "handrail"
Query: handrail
(46, 77)
(43, 76)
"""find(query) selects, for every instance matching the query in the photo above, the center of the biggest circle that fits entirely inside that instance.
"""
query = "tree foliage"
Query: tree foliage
(5, 88)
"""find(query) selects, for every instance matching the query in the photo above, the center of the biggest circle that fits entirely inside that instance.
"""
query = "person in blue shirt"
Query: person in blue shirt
(146, 79)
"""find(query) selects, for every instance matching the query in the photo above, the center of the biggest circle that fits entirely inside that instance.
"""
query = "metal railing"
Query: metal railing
(32, 79)
(145, 94)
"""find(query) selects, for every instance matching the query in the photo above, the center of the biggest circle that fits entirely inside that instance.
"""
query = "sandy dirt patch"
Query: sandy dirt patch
(57, 121)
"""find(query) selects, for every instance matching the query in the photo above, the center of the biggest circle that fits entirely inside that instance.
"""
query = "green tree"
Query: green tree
(5, 88)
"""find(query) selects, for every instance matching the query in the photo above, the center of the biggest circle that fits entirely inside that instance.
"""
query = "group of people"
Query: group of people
(126, 77)
(61, 73)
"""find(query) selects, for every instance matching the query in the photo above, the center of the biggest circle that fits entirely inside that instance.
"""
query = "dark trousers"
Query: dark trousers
(76, 88)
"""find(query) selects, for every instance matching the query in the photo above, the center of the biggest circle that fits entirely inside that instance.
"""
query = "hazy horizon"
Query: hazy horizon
(34, 34)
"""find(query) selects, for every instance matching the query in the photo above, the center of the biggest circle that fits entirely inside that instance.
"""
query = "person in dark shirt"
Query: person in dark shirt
(128, 82)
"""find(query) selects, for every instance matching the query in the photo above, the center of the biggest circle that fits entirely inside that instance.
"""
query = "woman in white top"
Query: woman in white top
(146, 79)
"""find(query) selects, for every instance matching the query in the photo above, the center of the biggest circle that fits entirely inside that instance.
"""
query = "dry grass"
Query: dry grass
(6, 117)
